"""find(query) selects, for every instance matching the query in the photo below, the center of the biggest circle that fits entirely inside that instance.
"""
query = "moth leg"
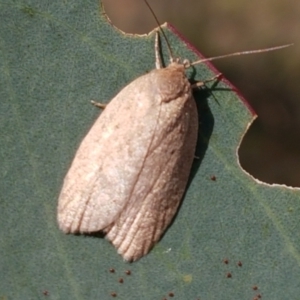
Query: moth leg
(98, 104)
(158, 62)
(202, 83)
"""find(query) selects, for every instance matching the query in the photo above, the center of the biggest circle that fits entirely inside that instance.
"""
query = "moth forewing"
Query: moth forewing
(162, 180)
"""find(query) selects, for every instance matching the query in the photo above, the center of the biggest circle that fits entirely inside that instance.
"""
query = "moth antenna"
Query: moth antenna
(161, 30)
(239, 53)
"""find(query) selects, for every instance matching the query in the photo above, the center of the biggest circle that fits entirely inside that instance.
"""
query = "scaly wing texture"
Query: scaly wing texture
(161, 183)
(156, 195)
(103, 172)
(131, 169)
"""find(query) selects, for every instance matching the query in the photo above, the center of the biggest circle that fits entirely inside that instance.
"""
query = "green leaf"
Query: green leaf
(55, 57)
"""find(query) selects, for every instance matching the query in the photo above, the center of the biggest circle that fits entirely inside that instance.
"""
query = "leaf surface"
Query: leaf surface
(55, 57)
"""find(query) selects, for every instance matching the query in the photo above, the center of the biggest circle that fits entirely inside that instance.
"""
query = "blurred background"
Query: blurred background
(270, 150)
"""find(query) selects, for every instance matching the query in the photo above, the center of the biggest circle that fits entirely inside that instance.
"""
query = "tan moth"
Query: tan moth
(131, 169)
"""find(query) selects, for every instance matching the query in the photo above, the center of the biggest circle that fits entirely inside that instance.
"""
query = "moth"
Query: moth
(130, 172)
